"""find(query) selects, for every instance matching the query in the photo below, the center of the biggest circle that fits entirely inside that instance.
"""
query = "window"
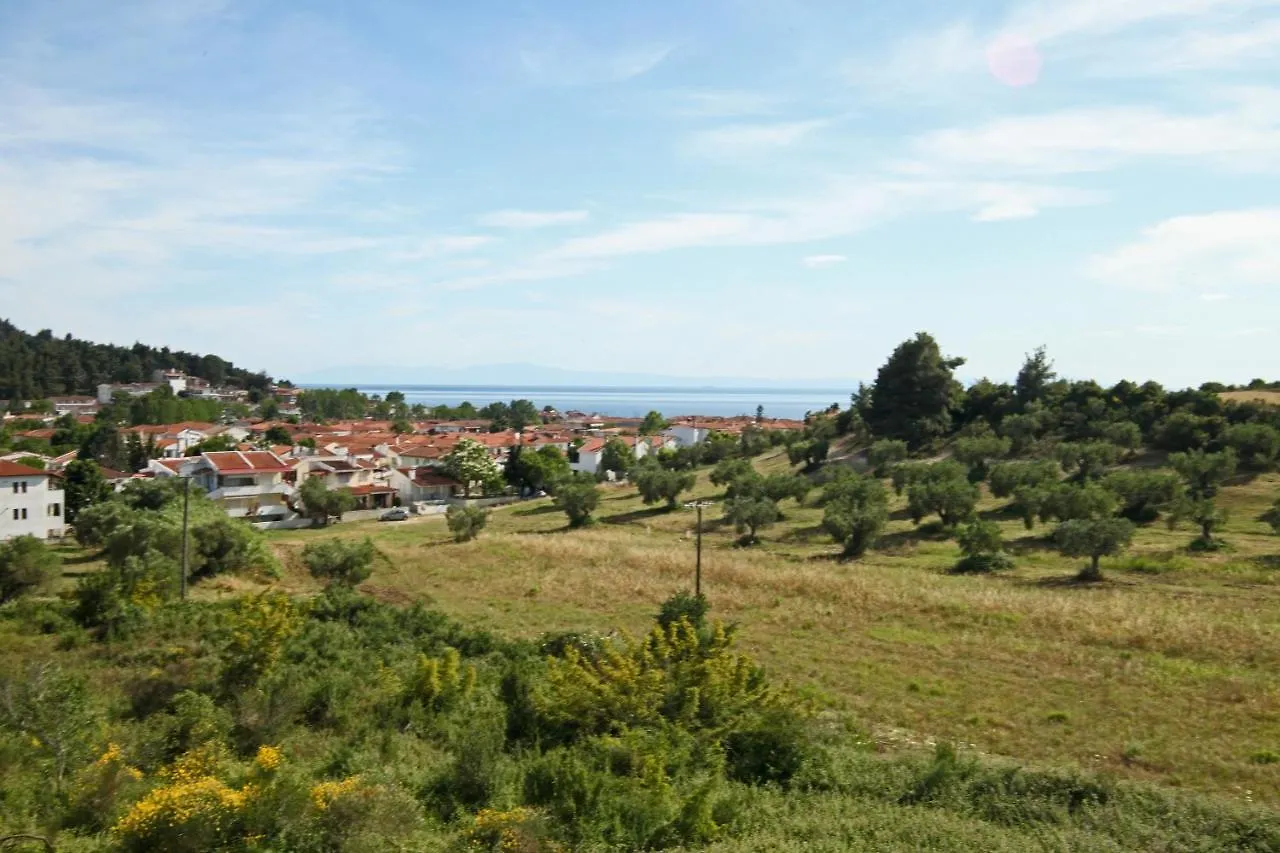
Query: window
(55, 510)
(15, 487)
(24, 487)
(15, 515)
(24, 514)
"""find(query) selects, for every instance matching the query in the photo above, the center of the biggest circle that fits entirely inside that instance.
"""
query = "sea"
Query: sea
(631, 401)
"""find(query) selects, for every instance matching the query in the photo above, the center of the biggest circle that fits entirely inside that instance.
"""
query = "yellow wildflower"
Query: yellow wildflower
(325, 794)
(268, 758)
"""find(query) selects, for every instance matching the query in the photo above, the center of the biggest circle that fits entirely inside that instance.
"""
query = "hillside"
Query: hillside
(33, 367)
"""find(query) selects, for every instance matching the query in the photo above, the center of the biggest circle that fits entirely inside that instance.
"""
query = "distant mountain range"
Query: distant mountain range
(533, 375)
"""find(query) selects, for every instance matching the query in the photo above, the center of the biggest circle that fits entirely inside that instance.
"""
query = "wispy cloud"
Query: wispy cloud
(745, 140)
(1226, 248)
(815, 262)
(434, 247)
(727, 103)
(1091, 36)
(1083, 140)
(532, 218)
(565, 61)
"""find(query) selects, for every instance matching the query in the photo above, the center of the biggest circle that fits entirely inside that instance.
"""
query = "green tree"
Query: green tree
(653, 424)
(977, 452)
(339, 561)
(728, 470)
(856, 510)
(469, 463)
(944, 489)
(277, 434)
(323, 503)
(578, 497)
(1205, 514)
(749, 513)
(884, 454)
(466, 522)
(616, 457)
(1093, 538)
(214, 444)
(1204, 472)
(914, 393)
(537, 469)
(1123, 434)
(53, 711)
(26, 564)
(660, 484)
(1087, 460)
(1144, 494)
(32, 462)
(1006, 477)
(1034, 378)
(83, 485)
(1257, 445)
(982, 545)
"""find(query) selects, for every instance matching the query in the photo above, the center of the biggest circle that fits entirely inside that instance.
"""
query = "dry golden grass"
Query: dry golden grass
(1272, 397)
(1168, 675)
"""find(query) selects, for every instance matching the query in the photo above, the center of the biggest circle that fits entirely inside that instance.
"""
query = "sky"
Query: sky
(777, 189)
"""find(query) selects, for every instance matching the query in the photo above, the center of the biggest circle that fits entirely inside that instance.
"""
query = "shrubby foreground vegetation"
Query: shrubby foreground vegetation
(290, 707)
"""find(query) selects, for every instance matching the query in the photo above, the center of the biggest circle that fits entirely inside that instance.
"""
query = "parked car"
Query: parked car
(397, 514)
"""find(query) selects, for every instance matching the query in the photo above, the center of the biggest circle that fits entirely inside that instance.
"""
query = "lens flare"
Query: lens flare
(1014, 61)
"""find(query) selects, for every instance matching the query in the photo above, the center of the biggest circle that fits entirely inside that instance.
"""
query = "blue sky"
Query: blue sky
(755, 188)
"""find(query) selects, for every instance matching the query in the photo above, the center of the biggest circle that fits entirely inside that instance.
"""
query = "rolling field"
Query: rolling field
(1169, 671)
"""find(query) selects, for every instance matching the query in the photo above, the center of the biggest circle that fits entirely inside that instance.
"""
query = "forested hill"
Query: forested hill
(33, 367)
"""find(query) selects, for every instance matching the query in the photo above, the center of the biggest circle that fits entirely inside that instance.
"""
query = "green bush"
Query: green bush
(466, 522)
(339, 561)
(26, 565)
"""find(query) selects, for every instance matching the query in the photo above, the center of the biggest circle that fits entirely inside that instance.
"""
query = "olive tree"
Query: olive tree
(856, 510)
(466, 522)
(340, 562)
(1093, 538)
(660, 484)
(578, 497)
(750, 512)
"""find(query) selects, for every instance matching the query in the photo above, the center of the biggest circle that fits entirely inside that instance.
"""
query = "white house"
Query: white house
(588, 456)
(30, 505)
(423, 484)
(249, 483)
(687, 435)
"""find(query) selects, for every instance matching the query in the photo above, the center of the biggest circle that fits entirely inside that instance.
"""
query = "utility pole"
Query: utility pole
(186, 500)
(697, 570)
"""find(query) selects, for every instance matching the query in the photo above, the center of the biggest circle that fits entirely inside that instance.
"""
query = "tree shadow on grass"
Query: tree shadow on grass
(538, 510)
(1030, 545)
(1004, 512)
(932, 531)
(1268, 561)
(637, 515)
(804, 534)
(81, 559)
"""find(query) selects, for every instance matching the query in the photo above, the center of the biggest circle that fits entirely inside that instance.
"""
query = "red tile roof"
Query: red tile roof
(13, 469)
(372, 490)
(252, 461)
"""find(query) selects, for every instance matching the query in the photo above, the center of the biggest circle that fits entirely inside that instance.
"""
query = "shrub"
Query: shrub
(942, 488)
(1093, 538)
(466, 522)
(660, 484)
(772, 750)
(578, 498)
(1007, 477)
(856, 510)
(683, 605)
(1144, 494)
(983, 548)
(883, 454)
(339, 561)
(26, 564)
(749, 513)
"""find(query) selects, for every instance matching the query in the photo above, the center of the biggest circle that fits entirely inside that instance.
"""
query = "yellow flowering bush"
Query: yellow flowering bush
(190, 815)
(439, 683)
(519, 830)
(97, 788)
(268, 758)
(673, 675)
(258, 628)
(326, 794)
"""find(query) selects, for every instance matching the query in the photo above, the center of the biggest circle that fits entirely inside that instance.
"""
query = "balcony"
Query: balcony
(229, 492)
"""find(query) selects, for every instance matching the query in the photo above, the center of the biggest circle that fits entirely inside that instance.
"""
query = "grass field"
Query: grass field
(1272, 397)
(1166, 672)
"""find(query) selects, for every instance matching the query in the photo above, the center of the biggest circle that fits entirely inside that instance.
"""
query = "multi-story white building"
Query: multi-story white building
(29, 503)
(251, 483)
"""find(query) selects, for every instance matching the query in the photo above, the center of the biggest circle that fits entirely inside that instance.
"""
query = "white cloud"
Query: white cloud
(532, 218)
(726, 103)
(1100, 138)
(564, 61)
(815, 262)
(1099, 36)
(658, 235)
(1226, 248)
(434, 247)
(744, 140)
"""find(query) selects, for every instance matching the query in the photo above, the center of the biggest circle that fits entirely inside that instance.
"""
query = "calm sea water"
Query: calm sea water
(631, 402)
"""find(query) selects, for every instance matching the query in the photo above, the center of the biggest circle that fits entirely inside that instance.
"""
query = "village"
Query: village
(264, 463)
